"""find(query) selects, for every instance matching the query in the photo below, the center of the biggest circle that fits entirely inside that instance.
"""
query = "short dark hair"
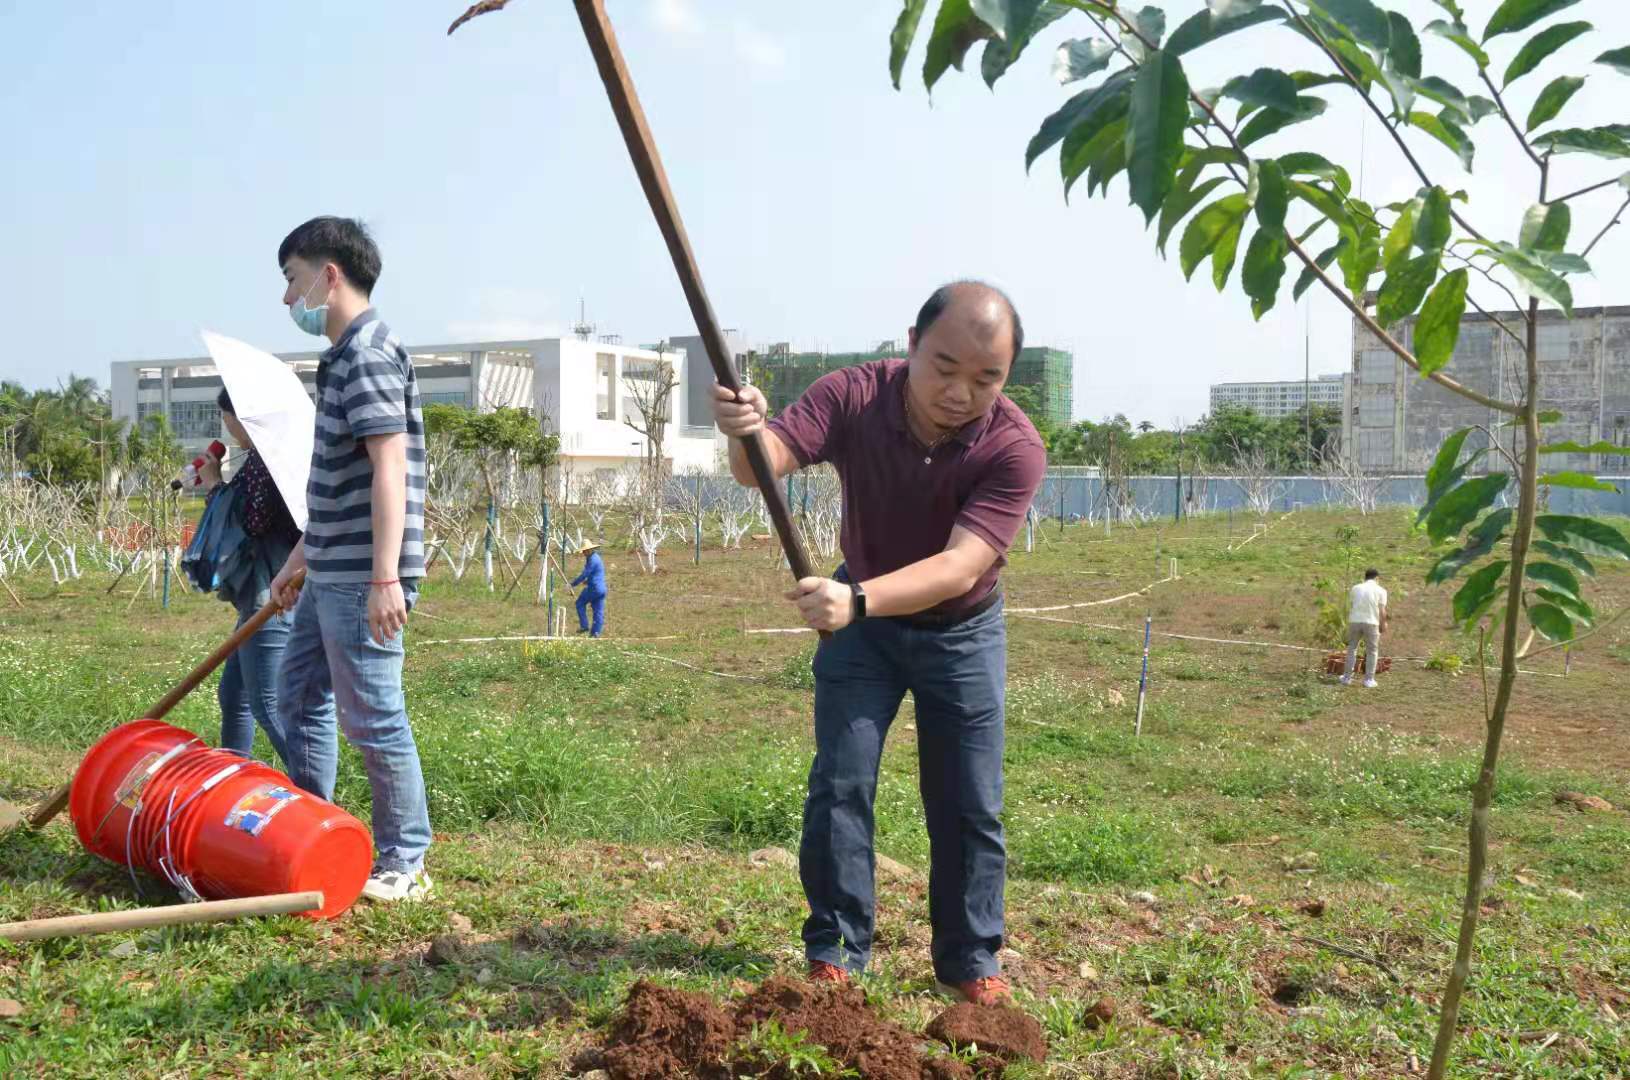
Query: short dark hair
(1371, 574)
(342, 241)
(224, 401)
(940, 299)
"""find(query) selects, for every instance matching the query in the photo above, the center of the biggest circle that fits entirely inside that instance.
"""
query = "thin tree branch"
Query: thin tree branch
(1494, 441)
(1584, 191)
(1617, 214)
(1522, 139)
(1352, 80)
(1496, 282)
(1483, 667)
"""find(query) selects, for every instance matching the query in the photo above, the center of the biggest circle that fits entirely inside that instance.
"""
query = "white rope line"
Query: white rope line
(574, 638)
(1091, 603)
(693, 667)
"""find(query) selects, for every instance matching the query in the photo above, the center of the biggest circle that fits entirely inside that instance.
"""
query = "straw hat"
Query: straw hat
(587, 546)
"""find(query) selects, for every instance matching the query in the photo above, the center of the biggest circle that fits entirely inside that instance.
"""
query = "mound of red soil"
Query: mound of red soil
(995, 1029)
(662, 1033)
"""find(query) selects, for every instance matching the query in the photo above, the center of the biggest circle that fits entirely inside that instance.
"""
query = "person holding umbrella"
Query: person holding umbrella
(593, 580)
(248, 532)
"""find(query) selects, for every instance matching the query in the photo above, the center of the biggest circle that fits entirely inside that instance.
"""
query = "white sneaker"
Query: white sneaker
(391, 886)
(1346, 680)
(1370, 684)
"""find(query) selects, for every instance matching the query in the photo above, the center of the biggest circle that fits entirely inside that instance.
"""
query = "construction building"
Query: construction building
(1396, 420)
(783, 374)
(1272, 400)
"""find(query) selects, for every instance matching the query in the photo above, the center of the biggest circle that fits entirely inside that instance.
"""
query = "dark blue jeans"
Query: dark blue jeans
(248, 688)
(597, 601)
(958, 678)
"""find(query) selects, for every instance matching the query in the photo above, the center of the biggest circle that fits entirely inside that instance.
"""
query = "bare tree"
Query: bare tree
(736, 509)
(1359, 489)
(650, 385)
(824, 494)
(1254, 474)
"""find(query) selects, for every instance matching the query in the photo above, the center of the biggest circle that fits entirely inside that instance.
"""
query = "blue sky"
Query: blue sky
(158, 152)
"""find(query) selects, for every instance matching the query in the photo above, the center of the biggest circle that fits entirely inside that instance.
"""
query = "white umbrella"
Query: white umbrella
(274, 408)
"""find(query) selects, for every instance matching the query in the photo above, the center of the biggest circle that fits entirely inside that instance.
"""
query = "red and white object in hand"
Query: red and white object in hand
(192, 476)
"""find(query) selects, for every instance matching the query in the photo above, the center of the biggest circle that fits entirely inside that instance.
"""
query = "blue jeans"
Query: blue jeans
(584, 600)
(332, 652)
(957, 676)
(248, 689)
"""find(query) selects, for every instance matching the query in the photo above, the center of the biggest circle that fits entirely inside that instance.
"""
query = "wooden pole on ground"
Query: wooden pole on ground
(1143, 677)
(108, 922)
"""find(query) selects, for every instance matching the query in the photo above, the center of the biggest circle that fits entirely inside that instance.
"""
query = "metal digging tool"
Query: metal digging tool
(642, 149)
(54, 804)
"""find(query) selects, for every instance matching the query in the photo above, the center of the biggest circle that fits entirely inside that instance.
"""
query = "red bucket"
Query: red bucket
(155, 797)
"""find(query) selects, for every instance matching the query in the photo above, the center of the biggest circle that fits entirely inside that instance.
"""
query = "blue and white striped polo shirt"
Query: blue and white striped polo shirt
(365, 386)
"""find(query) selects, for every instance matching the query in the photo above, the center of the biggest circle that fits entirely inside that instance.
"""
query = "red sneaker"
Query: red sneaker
(990, 990)
(822, 972)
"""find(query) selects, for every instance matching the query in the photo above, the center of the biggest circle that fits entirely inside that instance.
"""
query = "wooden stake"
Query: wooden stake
(108, 922)
(1143, 678)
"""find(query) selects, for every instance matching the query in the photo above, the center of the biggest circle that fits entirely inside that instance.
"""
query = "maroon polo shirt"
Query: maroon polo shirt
(899, 500)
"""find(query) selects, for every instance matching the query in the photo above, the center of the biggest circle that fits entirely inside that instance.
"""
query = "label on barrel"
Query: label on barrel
(129, 789)
(256, 810)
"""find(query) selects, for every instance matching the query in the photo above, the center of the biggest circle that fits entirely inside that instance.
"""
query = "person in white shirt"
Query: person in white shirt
(1366, 619)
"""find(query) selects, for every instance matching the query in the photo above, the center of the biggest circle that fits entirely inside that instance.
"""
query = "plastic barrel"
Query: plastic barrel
(152, 796)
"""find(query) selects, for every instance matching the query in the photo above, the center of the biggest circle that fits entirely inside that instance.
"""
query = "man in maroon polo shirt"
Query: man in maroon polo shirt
(938, 468)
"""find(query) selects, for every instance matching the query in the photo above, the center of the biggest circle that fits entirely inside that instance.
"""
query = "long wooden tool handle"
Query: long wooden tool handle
(58, 799)
(108, 922)
(642, 148)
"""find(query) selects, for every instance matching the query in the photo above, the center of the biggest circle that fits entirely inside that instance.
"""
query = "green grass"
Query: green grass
(594, 810)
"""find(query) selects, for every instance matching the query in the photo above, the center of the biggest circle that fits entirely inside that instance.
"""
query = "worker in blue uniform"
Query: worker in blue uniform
(593, 580)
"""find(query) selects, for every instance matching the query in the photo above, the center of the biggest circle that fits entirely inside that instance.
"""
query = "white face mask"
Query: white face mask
(313, 320)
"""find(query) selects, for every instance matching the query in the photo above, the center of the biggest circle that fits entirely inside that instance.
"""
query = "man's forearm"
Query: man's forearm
(739, 468)
(389, 493)
(921, 585)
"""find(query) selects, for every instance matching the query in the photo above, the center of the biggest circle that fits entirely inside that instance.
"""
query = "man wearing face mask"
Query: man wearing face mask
(938, 468)
(363, 550)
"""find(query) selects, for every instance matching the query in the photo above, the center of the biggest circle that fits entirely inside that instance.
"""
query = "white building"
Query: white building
(579, 389)
(1276, 399)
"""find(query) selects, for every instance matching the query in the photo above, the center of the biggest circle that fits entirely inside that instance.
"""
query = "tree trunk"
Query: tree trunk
(1483, 791)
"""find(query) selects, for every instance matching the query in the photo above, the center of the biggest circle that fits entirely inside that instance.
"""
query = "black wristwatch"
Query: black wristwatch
(857, 602)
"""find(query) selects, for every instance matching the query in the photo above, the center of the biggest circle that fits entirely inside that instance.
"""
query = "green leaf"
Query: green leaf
(1601, 141)
(1325, 258)
(1455, 510)
(1087, 141)
(1076, 110)
(1268, 121)
(1263, 88)
(1570, 447)
(1551, 576)
(1010, 19)
(956, 28)
(1561, 262)
(1264, 267)
(1360, 257)
(1481, 107)
(1567, 555)
(1399, 236)
(1541, 45)
(1444, 473)
(1514, 15)
(1479, 590)
(1154, 130)
(1577, 609)
(1151, 23)
(1204, 27)
(1551, 621)
(1222, 259)
(1444, 93)
(1583, 481)
(1584, 534)
(1309, 164)
(1080, 57)
(1545, 227)
(1178, 204)
(1405, 287)
(1447, 133)
(1548, 416)
(1479, 542)
(1438, 329)
(1360, 18)
(1227, 9)
(1003, 53)
(1201, 237)
(905, 31)
(1434, 221)
(1535, 280)
(1551, 99)
(1403, 47)
(1456, 33)
(1617, 59)
(1272, 197)
(1110, 160)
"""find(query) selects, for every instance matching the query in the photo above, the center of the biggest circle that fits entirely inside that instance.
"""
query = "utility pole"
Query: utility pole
(1307, 384)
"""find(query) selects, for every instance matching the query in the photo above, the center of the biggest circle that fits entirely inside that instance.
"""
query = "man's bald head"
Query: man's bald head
(985, 305)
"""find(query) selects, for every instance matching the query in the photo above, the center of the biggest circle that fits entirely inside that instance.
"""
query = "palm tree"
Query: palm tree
(1144, 427)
